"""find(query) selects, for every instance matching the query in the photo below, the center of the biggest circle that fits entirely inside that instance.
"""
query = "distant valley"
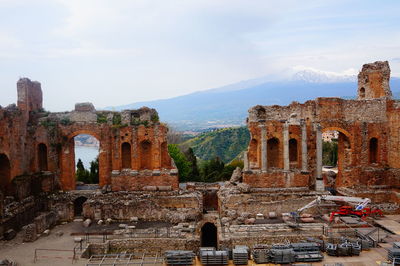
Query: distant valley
(227, 106)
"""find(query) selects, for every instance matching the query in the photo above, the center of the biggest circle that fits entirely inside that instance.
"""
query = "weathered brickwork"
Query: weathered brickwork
(369, 136)
(133, 147)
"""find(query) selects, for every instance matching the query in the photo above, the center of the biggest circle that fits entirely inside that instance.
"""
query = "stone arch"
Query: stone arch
(78, 205)
(83, 131)
(145, 155)
(67, 159)
(209, 235)
(165, 159)
(273, 153)
(344, 145)
(373, 150)
(344, 154)
(126, 155)
(339, 129)
(5, 173)
(293, 151)
(253, 155)
(42, 157)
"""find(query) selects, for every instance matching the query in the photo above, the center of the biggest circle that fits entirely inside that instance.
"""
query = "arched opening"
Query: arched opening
(78, 205)
(253, 155)
(362, 93)
(273, 152)
(293, 152)
(5, 173)
(42, 157)
(336, 155)
(126, 155)
(209, 235)
(86, 148)
(165, 159)
(330, 140)
(145, 155)
(373, 150)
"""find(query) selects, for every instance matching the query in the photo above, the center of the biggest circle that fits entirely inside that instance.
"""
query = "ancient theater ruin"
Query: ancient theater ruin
(140, 204)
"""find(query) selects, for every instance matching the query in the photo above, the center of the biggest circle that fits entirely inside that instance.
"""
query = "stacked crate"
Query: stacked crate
(260, 254)
(307, 252)
(210, 256)
(179, 257)
(240, 255)
(282, 256)
(394, 255)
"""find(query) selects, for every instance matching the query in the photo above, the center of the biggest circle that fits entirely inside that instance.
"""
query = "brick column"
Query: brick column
(286, 146)
(246, 166)
(319, 183)
(263, 148)
(304, 156)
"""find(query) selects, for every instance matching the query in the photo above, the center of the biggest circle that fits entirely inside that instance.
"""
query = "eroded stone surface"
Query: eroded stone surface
(368, 138)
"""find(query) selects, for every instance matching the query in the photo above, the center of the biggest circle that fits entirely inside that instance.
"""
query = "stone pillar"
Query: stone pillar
(319, 183)
(286, 166)
(246, 166)
(263, 148)
(304, 154)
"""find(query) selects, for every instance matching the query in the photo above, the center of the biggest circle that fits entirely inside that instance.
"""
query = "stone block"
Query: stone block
(87, 223)
(84, 107)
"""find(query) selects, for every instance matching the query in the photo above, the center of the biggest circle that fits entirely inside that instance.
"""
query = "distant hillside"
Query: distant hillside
(226, 143)
(227, 106)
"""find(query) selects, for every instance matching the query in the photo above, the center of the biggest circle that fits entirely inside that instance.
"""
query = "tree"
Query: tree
(181, 162)
(82, 174)
(211, 170)
(94, 171)
(194, 174)
(330, 153)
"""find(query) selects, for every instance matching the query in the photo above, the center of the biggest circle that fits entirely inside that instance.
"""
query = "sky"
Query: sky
(115, 52)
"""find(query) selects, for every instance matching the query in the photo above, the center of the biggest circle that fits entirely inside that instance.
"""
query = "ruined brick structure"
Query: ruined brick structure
(133, 148)
(282, 168)
(285, 149)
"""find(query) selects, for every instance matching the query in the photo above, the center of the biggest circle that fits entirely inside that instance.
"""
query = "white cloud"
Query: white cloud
(147, 49)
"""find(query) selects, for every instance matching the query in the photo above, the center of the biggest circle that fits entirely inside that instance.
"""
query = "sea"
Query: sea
(86, 154)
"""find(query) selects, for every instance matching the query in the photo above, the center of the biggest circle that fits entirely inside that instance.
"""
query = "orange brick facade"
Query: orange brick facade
(285, 149)
(133, 146)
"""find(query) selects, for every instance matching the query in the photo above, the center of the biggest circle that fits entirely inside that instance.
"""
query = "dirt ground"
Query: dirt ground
(23, 253)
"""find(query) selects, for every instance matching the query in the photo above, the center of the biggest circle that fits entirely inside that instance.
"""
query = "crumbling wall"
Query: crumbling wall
(168, 206)
(36, 140)
(368, 139)
(373, 81)
(37, 154)
(235, 203)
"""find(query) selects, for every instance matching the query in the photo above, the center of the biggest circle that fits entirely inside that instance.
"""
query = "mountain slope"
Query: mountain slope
(228, 105)
(226, 143)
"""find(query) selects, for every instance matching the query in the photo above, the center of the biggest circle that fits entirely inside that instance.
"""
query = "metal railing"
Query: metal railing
(125, 259)
(103, 236)
(49, 254)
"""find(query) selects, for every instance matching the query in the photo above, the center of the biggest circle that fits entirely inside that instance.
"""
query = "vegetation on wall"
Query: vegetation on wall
(101, 118)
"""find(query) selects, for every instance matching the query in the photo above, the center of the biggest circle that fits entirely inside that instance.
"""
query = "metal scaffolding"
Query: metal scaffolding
(125, 259)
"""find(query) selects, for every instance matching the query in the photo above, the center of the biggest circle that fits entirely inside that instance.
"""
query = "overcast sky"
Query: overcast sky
(114, 52)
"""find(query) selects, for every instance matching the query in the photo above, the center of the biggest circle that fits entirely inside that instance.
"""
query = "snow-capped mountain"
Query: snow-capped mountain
(319, 76)
(228, 105)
